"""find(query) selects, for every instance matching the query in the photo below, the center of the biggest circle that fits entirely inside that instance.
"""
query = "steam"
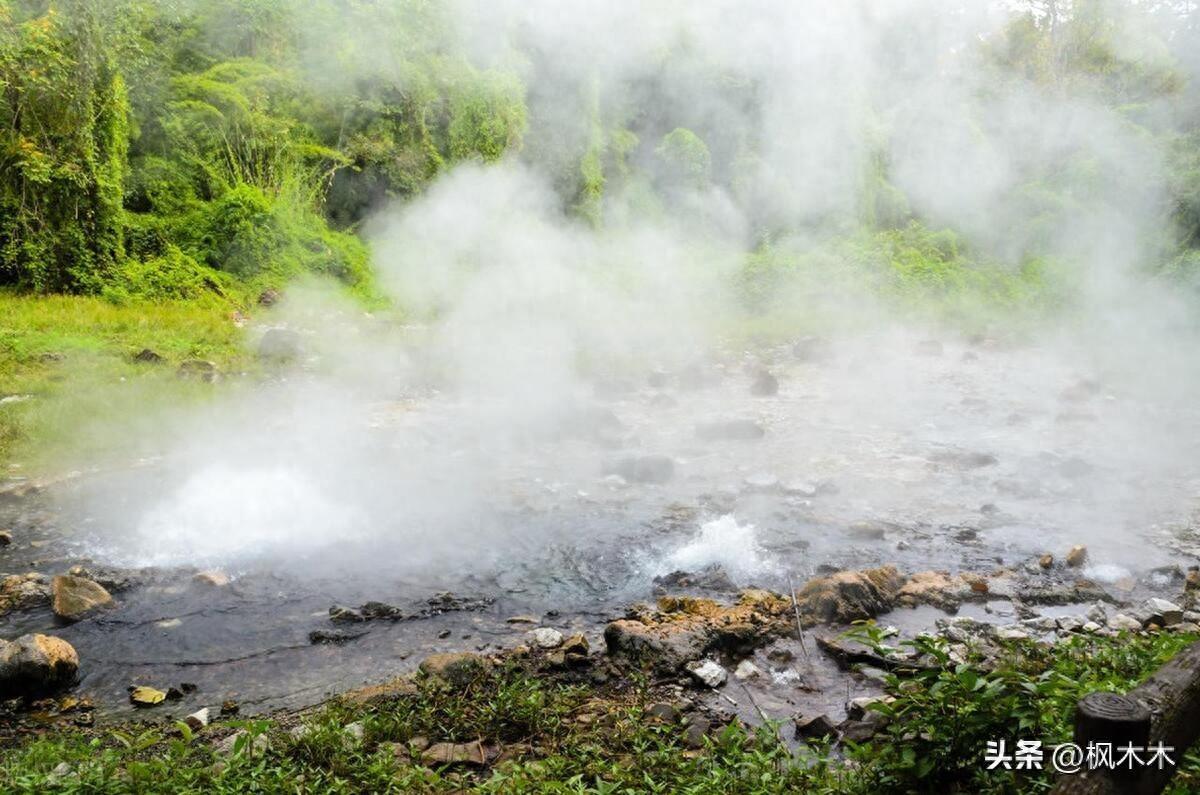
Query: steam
(417, 446)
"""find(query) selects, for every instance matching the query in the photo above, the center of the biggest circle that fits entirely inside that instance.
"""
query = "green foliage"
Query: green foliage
(686, 158)
(63, 142)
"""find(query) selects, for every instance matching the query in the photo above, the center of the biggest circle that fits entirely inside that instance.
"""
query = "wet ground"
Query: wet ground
(951, 454)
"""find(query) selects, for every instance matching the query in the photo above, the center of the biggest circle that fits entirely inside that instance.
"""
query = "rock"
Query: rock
(643, 469)
(1161, 612)
(746, 670)
(1091, 627)
(469, 754)
(343, 614)
(685, 629)
(268, 297)
(1011, 633)
(280, 345)
(1077, 556)
(546, 638)
(33, 665)
(240, 742)
(866, 531)
(23, 591)
(662, 712)
(457, 668)
(113, 579)
(707, 673)
(198, 719)
(937, 588)
(355, 731)
(75, 597)
(764, 384)
(198, 369)
(334, 637)
(848, 596)
(147, 356)
(1123, 622)
(61, 771)
(212, 578)
(812, 727)
(146, 696)
(696, 732)
(761, 482)
(710, 578)
(730, 430)
(1070, 623)
(521, 620)
(800, 488)
(576, 644)
(1097, 613)
(5, 538)
(1046, 561)
(229, 707)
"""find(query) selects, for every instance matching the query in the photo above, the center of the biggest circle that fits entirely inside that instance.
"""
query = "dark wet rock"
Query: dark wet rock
(686, 629)
(75, 598)
(710, 578)
(457, 668)
(23, 591)
(147, 356)
(198, 369)
(334, 637)
(643, 468)
(856, 731)
(443, 634)
(113, 579)
(33, 665)
(730, 430)
(521, 620)
(764, 384)
(230, 707)
(341, 613)
(467, 754)
(380, 610)
(848, 596)
(280, 345)
(448, 602)
(813, 727)
(5, 538)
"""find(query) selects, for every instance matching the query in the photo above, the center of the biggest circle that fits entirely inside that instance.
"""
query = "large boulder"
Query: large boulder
(848, 596)
(76, 598)
(940, 589)
(33, 665)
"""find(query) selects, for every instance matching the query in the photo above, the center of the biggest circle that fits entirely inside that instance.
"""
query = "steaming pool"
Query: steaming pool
(951, 454)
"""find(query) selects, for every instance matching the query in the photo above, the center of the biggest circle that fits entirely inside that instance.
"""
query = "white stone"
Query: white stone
(1122, 621)
(746, 670)
(1170, 612)
(1091, 627)
(198, 719)
(707, 673)
(546, 638)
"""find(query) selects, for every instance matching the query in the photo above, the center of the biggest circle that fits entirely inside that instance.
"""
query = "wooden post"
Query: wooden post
(1163, 709)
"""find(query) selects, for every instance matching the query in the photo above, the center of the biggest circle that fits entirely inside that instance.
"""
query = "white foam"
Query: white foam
(726, 543)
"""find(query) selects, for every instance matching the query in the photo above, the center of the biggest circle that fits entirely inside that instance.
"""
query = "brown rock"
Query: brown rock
(35, 664)
(1046, 561)
(849, 595)
(469, 754)
(937, 588)
(5, 538)
(1077, 556)
(76, 598)
(213, 578)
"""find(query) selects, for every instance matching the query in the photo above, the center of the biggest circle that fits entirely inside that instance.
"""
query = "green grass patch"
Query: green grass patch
(69, 362)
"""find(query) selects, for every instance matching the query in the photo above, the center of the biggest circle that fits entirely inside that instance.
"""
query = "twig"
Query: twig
(799, 624)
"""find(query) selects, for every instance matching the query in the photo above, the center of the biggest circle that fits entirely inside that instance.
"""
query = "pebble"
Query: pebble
(707, 673)
(546, 638)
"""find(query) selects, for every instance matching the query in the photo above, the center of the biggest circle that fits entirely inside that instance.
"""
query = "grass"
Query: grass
(563, 737)
(87, 397)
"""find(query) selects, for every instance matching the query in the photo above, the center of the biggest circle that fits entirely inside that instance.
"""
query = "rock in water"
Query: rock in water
(1077, 556)
(764, 384)
(643, 469)
(33, 665)
(280, 345)
(213, 578)
(76, 598)
(146, 696)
